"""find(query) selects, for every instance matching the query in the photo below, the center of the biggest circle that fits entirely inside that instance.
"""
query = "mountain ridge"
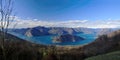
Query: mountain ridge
(41, 31)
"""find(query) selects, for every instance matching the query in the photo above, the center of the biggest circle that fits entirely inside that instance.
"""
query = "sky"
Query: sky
(68, 13)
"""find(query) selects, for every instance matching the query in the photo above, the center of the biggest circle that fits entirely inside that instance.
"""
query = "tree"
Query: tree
(6, 7)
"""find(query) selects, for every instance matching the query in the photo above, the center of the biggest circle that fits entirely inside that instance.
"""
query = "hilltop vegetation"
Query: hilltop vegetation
(109, 56)
(111, 40)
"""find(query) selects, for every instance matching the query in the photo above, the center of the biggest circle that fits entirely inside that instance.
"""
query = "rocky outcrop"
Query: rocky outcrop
(67, 38)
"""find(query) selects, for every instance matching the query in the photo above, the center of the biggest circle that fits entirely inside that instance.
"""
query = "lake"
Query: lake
(47, 40)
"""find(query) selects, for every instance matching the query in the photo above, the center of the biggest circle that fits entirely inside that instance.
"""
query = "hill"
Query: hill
(19, 49)
(66, 38)
(103, 44)
(109, 56)
(41, 31)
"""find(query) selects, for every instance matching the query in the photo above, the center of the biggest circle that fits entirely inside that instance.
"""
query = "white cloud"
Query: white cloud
(107, 24)
(25, 23)
(75, 21)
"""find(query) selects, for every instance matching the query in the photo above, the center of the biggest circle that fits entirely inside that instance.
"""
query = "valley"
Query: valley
(45, 35)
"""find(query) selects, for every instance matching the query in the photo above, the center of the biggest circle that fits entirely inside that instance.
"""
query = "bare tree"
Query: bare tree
(6, 7)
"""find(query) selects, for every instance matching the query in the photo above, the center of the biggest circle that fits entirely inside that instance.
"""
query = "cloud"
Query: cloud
(107, 24)
(75, 21)
(25, 23)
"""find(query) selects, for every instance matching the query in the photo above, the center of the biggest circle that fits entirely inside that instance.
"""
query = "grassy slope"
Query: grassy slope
(109, 56)
(19, 49)
(112, 54)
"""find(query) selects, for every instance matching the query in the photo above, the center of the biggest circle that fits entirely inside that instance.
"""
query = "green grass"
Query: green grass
(110, 56)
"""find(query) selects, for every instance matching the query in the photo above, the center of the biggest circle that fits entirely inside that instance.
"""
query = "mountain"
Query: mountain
(19, 49)
(111, 44)
(106, 31)
(15, 48)
(67, 38)
(104, 43)
(37, 31)
(42, 31)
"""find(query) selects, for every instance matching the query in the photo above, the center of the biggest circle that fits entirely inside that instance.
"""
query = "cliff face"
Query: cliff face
(67, 38)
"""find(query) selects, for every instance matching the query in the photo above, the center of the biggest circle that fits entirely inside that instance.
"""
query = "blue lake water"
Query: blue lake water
(47, 40)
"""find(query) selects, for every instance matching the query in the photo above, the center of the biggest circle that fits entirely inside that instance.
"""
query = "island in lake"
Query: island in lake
(67, 38)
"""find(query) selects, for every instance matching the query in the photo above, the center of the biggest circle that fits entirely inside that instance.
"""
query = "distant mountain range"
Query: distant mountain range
(41, 31)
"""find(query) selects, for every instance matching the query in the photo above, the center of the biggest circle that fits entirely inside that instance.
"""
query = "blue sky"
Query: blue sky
(68, 10)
